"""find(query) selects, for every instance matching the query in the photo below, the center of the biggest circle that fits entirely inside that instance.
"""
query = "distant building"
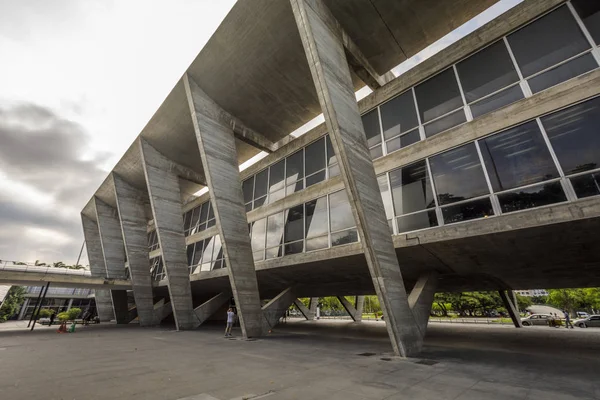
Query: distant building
(57, 299)
(532, 292)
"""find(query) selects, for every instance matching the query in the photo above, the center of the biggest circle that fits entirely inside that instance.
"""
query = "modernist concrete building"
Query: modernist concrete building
(478, 169)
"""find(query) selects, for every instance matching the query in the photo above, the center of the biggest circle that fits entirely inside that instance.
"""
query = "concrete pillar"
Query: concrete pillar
(312, 305)
(103, 299)
(277, 307)
(511, 307)
(211, 306)
(165, 199)
(130, 204)
(321, 38)
(355, 312)
(70, 304)
(23, 309)
(306, 312)
(420, 299)
(121, 306)
(216, 142)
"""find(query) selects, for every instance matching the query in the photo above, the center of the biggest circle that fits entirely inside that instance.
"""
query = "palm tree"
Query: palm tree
(39, 264)
(59, 264)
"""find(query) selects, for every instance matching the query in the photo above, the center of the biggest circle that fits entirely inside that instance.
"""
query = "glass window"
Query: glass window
(294, 172)
(340, 212)
(315, 156)
(247, 188)
(586, 185)
(294, 248)
(294, 226)
(217, 253)
(276, 173)
(259, 229)
(371, 125)
(411, 188)
(331, 157)
(547, 41)
(530, 197)
(486, 72)
(376, 152)
(207, 254)
(466, 211)
(458, 175)
(316, 218)
(315, 178)
(260, 184)
(416, 221)
(187, 219)
(496, 101)
(445, 123)
(190, 254)
(589, 12)
(575, 136)
(403, 141)
(563, 72)
(385, 196)
(517, 157)
(274, 229)
(204, 212)
(399, 115)
(438, 96)
(344, 237)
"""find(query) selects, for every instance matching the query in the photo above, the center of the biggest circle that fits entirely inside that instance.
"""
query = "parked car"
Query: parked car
(591, 321)
(536, 319)
(582, 314)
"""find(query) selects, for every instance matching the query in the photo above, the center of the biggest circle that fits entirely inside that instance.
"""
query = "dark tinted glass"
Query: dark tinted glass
(294, 167)
(294, 248)
(198, 248)
(247, 188)
(371, 124)
(315, 156)
(586, 185)
(190, 254)
(458, 175)
(376, 152)
(260, 184)
(345, 237)
(465, 211)
(517, 157)
(331, 158)
(547, 41)
(403, 141)
(447, 122)
(187, 219)
(589, 12)
(385, 196)
(487, 71)
(536, 196)
(496, 101)
(413, 222)
(411, 189)
(260, 202)
(316, 218)
(294, 226)
(438, 96)
(398, 115)
(204, 211)
(315, 178)
(575, 136)
(276, 172)
(340, 212)
(563, 72)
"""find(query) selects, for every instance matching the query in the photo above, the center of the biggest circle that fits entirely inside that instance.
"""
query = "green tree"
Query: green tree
(566, 299)
(12, 302)
(523, 302)
(539, 300)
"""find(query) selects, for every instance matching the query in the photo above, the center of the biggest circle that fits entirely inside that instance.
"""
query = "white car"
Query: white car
(591, 321)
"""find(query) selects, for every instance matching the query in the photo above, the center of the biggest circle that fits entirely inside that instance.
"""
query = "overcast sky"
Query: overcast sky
(78, 81)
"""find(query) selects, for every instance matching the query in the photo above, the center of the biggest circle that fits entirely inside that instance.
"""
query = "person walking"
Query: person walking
(230, 317)
(568, 320)
(52, 316)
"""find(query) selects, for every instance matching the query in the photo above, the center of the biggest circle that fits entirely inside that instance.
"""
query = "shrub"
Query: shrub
(63, 316)
(44, 313)
(74, 313)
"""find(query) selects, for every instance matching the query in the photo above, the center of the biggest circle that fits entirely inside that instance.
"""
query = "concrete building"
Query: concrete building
(478, 169)
(532, 292)
(57, 299)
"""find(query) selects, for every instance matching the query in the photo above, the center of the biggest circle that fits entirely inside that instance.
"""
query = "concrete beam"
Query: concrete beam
(165, 200)
(277, 307)
(511, 306)
(162, 309)
(354, 312)
(420, 299)
(93, 247)
(219, 159)
(211, 306)
(329, 67)
(131, 205)
(306, 312)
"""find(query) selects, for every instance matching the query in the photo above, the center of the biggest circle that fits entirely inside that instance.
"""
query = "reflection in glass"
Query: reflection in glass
(209, 245)
(344, 237)
(248, 189)
(413, 222)
(376, 152)
(575, 136)
(274, 229)
(315, 157)
(445, 123)
(586, 185)
(547, 41)
(496, 101)
(530, 197)
(294, 248)
(317, 243)
(371, 125)
(458, 175)
(563, 72)
(259, 229)
(276, 172)
(294, 172)
(385, 196)
(331, 158)
(315, 178)
(340, 212)
(260, 184)
(466, 211)
(487, 71)
(438, 96)
(411, 188)
(198, 248)
(517, 157)
(316, 217)
(398, 115)
(294, 226)
(589, 12)
(403, 141)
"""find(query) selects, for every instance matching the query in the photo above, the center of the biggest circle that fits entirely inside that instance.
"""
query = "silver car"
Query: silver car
(536, 319)
(591, 321)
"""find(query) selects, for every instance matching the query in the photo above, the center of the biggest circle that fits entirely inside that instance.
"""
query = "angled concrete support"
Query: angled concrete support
(313, 304)
(277, 307)
(354, 312)
(420, 299)
(511, 305)
(306, 312)
(211, 306)
(162, 309)
(165, 199)
(121, 306)
(130, 204)
(219, 159)
(326, 57)
(103, 299)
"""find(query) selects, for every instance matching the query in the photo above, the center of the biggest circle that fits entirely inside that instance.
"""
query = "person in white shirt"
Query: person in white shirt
(230, 318)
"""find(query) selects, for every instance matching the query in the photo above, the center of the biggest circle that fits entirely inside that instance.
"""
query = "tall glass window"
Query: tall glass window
(333, 167)
(373, 132)
(258, 235)
(294, 174)
(198, 219)
(276, 181)
(315, 162)
(294, 230)
(589, 12)
(544, 46)
(317, 231)
(341, 222)
(399, 122)
(489, 75)
(387, 199)
(440, 103)
(274, 235)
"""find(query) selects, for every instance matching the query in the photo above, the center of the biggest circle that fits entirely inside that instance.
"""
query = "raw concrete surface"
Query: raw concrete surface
(300, 360)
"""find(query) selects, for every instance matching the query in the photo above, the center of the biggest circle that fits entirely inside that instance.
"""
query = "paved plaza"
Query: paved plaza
(299, 360)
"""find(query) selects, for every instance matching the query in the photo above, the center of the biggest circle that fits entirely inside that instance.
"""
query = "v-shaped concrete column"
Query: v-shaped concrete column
(322, 40)
(114, 254)
(165, 199)
(219, 159)
(130, 204)
(103, 299)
